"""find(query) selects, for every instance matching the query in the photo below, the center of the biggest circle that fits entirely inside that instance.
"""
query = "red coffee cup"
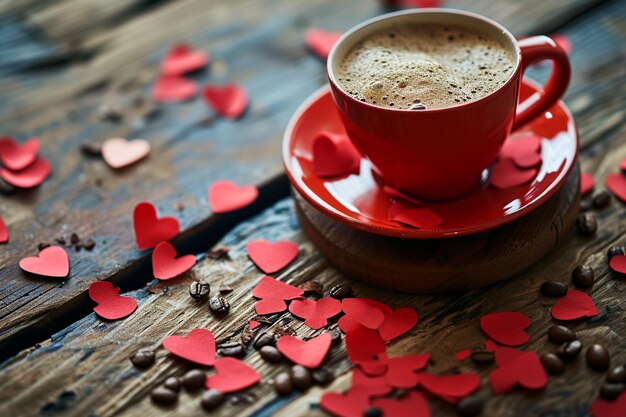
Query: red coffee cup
(439, 154)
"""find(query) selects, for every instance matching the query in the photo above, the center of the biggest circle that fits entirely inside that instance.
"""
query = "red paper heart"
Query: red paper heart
(574, 305)
(351, 404)
(198, 346)
(320, 41)
(253, 324)
(232, 375)
(363, 311)
(363, 346)
(173, 88)
(517, 368)
(506, 174)
(273, 294)
(271, 257)
(397, 323)
(604, 408)
(399, 195)
(182, 58)
(616, 183)
(461, 355)
(334, 155)
(225, 196)
(524, 151)
(617, 263)
(450, 388)
(111, 305)
(413, 404)
(506, 328)
(228, 101)
(51, 262)
(315, 313)
(586, 183)
(490, 345)
(165, 264)
(373, 385)
(150, 230)
(402, 370)
(119, 152)
(16, 156)
(310, 353)
(31, 176)
(414, 216)
(4, 232)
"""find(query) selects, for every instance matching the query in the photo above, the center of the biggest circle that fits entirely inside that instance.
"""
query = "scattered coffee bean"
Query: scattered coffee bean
(373, 412)
(617, 374)
(60, 240)
(164, 396)
(313, 287)
(335, 337)
(301, 377)
(89, 244)
(553, 289)
(172, 383)
(482, 357)
(552, 363)
(271, 354)
(601, 199)
(340, 290)
(569, 350)
(322, 376)
(218, 305)
(225, 288)
(283, 384)
(611, 391)
(560, 334)
(91, 149)
(193, 380)
(142, 358)
(583, 276)
(470, 406)
(237, 351)
(265, 339)
(587, 224)
(212, 399)
(598, 357)
(5, 187)
(586, 205)
(418, 106)
(199, 290)
(615, 251)
(74, 239)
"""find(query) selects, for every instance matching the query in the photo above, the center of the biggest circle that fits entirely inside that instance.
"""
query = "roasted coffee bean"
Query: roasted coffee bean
(615, 251)
(172, 383)
(587, 224)
(322, 376)
(164, 396)
(313, 286)
(89, 244)
(560, 334)
(5, 187)
(482, 357)
(283, 384)
(237, 351)
(598, 357)
(601, 199)
(91, 149)
(212, 399)
(470, 406)
(617, 374)
(553, 289)
(335, 337)
(586, 205)
(340, 290)
(552, 363)
(611, 391)
(301, 377)
(74, 239)
(569, 350)
(218, 305)
(193, 380)
(142, 358)
(583, 276)
(271, 354)
(199, 290)
(373, 412)
(265, 339)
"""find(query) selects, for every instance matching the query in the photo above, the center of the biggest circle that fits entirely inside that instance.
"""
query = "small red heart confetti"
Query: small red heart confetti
(363, 346)
(410, 215)
(616, 183)
(517, 367)
(16, 156)
(617, 263)
(253, 324)
(524, 151)
(604, 408)
(351, 404)
(51, 262)
(315, 313)
(393, 193)
(4, 232)
(402, 370)
(182, 58)
(273, 294)
(506, 174)
(232, 375)
(374, 385)
(450, 388)
(111, 305)
(320, 41)
(490, 345)
(461, 355)
(366, 312)
(506, 328)
(165, 264)
(225, 196)
(310, 353)
(413, 404)
(198, 346)
(31, 176)
(149, 229)
(173, 88)
(120, 153)
(574, 305)
(397, 323)
(229, 101)
(272, 257)
(586, 183)
(334, 155)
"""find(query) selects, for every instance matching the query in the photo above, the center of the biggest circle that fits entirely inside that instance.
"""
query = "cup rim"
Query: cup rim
(393, 15)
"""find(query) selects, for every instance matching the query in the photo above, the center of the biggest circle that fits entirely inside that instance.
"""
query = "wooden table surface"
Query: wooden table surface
(61, 60)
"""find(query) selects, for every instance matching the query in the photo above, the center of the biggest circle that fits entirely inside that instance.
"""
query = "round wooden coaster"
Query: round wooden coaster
(439, 265)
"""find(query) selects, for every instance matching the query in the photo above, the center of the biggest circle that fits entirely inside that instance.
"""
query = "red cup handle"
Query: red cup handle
(535, 49)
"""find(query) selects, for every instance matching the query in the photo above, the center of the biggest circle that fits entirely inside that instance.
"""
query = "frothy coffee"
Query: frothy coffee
(425, 66)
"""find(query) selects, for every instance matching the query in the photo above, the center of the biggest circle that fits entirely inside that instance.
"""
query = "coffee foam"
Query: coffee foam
(432, 65)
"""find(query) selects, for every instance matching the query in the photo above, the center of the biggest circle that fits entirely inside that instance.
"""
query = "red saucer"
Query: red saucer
(359, 202)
